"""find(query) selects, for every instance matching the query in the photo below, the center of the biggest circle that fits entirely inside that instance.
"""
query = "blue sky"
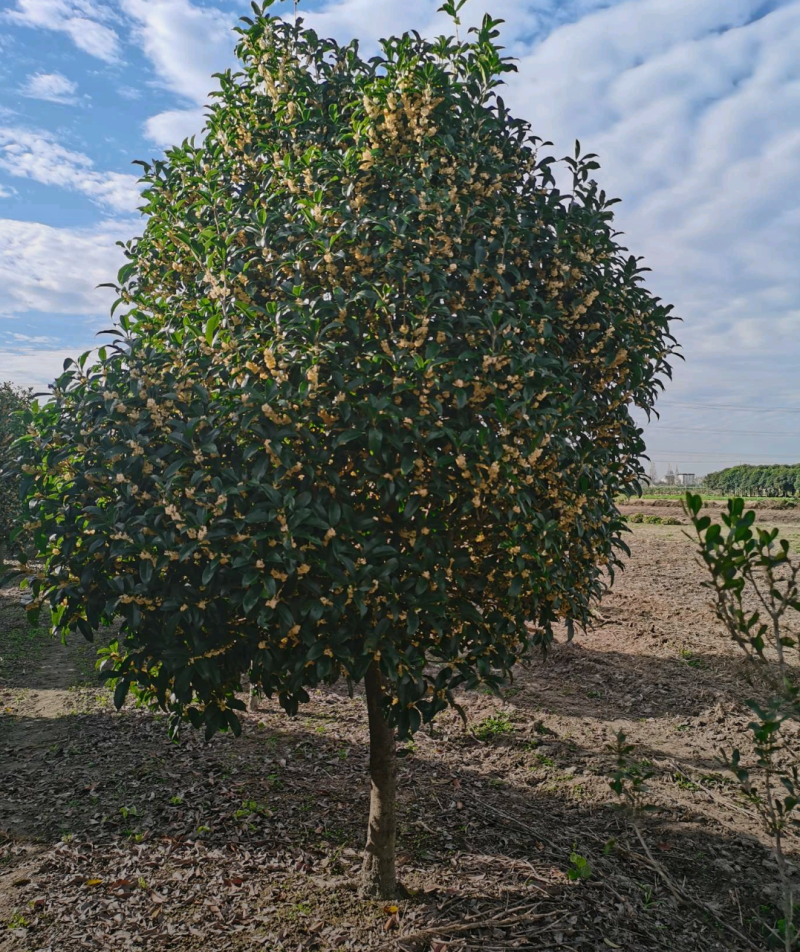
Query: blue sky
(692, 105)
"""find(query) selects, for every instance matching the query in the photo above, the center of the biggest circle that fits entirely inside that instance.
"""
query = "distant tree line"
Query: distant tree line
(768, 480)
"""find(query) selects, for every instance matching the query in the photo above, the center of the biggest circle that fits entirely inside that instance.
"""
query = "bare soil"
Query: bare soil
(114, 838)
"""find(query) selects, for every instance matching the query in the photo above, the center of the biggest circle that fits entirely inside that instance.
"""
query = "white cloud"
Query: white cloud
(36, 155)
(81, 20)
(6, 191)
(129, 92)
(37, 367)
(30, 339)
(172, 127)
(94, 38)
(54, 272)
(185, 43)
(50, 86)
(57, 270)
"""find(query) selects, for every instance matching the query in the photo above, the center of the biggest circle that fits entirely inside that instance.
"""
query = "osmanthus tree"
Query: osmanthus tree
(369, 407)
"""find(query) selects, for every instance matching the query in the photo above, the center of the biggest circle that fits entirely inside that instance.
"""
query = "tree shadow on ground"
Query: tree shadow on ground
(579, 681)
(257, 840)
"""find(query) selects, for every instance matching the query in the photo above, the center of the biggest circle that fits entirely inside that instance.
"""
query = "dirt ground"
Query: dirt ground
(114, 838)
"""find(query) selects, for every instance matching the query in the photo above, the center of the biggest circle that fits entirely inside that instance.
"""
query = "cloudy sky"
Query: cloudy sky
(692, 105)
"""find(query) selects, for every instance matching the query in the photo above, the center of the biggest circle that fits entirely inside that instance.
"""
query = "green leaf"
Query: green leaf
(211, 325)
(346, 437)
(210, 571)
(121, 692)
(251, 598)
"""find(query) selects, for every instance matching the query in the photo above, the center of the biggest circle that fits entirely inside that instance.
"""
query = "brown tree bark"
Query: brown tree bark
(378, 874)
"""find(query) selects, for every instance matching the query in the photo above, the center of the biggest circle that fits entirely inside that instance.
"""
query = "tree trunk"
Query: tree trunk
(378, 876)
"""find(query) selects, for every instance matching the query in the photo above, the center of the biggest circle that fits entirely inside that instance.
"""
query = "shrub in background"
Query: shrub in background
(13, 399)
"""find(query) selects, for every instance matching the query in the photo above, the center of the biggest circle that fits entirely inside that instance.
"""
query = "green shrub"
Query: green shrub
(652, 520)
(752, 566)
(637, 517)
(12, 400)
(670, 521)
(371, 405)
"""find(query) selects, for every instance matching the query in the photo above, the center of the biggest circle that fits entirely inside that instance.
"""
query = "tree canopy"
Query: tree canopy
(771, 479)
(369, 400)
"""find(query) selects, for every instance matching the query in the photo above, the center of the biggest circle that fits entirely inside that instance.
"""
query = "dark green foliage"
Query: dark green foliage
(370, 398)
(12, 400)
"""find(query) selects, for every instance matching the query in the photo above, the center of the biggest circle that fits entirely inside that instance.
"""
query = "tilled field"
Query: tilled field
(113, 838)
